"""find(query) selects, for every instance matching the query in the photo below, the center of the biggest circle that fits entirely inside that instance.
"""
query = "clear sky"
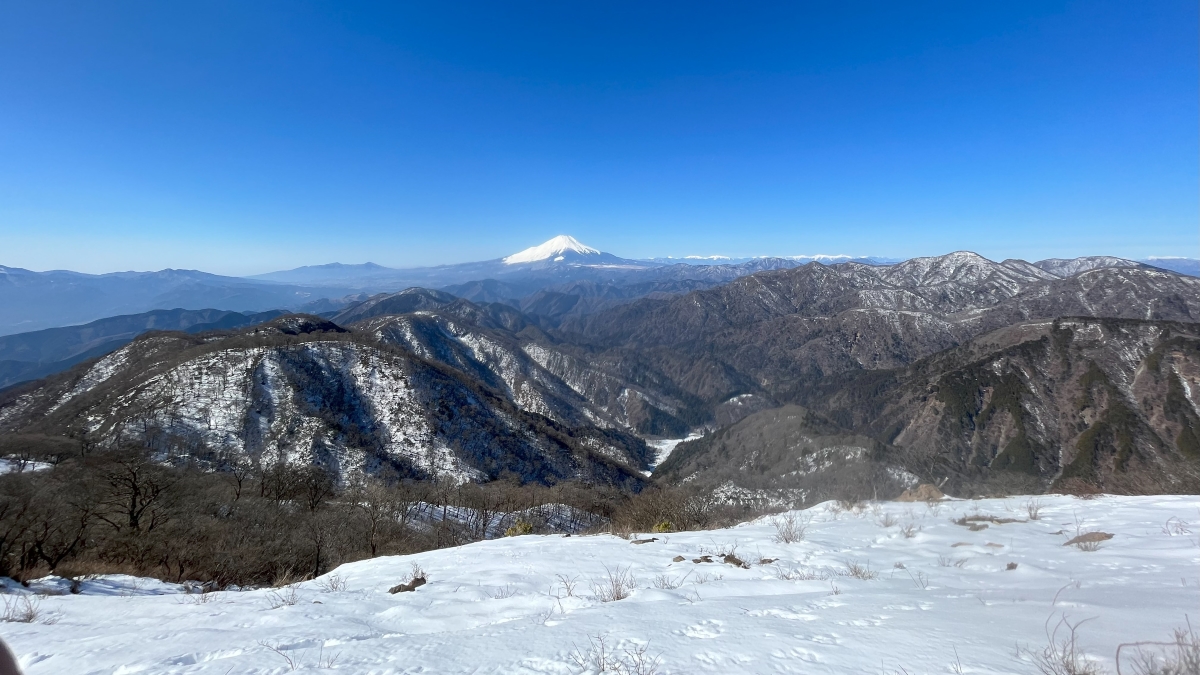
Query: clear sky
(241, 137)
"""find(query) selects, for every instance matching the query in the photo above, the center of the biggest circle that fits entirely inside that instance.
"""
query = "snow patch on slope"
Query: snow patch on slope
(664, 447)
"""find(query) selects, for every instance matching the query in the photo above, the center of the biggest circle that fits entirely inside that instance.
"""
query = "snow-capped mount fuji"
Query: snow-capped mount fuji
(556, 249)
(562, 253)
(565, 250)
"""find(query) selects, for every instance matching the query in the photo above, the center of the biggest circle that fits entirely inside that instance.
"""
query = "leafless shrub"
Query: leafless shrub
(567, 584)
(1180, 657)
(797, 574)
(852, 505)
(415, 572)
(705, 577)
(295, 661)
(859, 571)
(21, 608)
(199, 597)
(719, 550)
(332, 584)
(919, 579)
(1175, 527)
(790, 528)
(282, 597)
(934, 508)
(292, 660)
(1062, 654)
(542, 617)
(885, 520)
(675, 509)
(133, 588)
(944, 561)
(415, 578)
(617, 584)
(285, 577)
(1034, 509)
(505, 591)
(326, 662)
(599, 657)
(638, 661)
(1087, 539)
(909, 530)
(668, 582)
(623, 531)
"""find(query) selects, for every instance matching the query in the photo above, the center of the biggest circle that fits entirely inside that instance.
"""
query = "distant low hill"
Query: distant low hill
(32, 301)
(1188, 266)
(37, 354)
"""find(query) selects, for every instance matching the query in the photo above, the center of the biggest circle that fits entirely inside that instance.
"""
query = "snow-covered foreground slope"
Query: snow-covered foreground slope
(527, 604)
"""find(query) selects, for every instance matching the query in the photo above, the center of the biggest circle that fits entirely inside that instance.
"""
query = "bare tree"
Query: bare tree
(133, 490)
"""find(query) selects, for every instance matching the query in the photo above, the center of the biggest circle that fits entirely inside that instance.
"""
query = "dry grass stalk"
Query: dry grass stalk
(617, 584)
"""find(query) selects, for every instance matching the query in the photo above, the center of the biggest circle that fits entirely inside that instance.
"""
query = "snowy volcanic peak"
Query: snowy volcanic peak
(553, 249)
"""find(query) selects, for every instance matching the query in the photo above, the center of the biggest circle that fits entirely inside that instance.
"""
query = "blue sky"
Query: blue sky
(244, 137)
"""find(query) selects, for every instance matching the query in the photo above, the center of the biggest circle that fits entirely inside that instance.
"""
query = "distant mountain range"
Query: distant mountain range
(36, 300)
(1188, 266)
(558, 278)
(802, 259)
(816, 379)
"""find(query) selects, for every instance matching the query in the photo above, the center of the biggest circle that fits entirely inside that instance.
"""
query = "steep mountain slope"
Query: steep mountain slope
(300, 389)
(29, 356)
(1072, 404)
(788, 451)
(665, 366)
(501, 347)
(775, 332)
(1105, 403)
(591, 293)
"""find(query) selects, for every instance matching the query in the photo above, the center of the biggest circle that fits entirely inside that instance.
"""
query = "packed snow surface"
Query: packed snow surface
(941, 596)
(555, 247)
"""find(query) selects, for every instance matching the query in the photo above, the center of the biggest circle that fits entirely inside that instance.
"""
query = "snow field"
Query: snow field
(873, 589)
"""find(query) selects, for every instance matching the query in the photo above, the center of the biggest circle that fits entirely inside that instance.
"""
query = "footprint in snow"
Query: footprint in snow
(704, 629)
